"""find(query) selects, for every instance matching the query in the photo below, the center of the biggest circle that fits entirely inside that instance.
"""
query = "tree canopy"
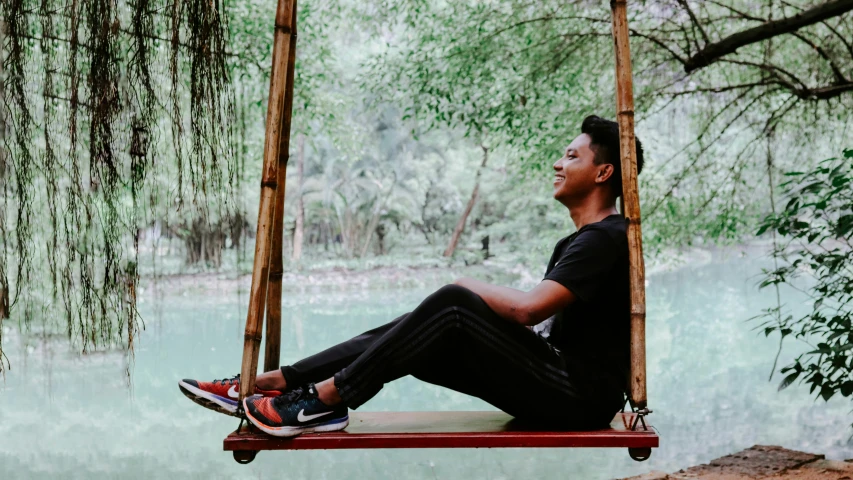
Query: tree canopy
(711, 78)
(124, 121)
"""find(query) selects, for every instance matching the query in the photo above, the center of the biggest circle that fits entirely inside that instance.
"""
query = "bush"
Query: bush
(816, 226)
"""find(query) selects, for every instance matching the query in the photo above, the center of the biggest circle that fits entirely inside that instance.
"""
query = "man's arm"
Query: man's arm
(526, 308)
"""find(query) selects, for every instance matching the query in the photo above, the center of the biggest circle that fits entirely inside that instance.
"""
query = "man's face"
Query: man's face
(576, 174)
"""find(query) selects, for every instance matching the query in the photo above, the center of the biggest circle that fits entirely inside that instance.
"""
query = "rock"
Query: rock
(754, 462)
(762, 461)
(653, 475)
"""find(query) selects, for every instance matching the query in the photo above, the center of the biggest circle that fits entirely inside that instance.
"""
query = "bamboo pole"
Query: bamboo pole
(266, 210)
(272, 351)
(631, 198)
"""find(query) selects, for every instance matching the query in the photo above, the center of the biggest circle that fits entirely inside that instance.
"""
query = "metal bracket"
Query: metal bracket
(242, 415)
(640, 418)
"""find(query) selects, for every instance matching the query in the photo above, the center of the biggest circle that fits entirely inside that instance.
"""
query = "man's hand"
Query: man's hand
(526, 308)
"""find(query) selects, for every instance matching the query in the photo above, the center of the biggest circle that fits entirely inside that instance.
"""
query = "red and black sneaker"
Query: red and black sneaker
(218, 395)
(298, 411)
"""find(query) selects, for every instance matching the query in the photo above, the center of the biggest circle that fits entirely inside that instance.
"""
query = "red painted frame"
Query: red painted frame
(445, 430)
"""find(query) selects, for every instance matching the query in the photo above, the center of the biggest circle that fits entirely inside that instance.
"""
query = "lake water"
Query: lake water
(63, 416)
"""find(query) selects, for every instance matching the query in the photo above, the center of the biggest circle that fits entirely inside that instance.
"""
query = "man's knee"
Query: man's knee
(454, 295)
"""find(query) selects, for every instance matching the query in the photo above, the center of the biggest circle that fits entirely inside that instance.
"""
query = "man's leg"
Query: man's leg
(222, 395)
(324, 364)
(455, 340)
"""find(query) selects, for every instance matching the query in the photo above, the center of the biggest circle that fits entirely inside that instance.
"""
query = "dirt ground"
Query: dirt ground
(761, 462)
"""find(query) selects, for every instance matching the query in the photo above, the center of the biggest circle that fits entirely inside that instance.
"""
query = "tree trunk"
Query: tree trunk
(4, 300)
(460, 225)
(299, 233)
(374, 220)
(380, 238)
(204, 242)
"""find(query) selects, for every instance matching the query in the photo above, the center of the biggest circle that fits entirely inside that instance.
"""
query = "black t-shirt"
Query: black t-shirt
(593, 332)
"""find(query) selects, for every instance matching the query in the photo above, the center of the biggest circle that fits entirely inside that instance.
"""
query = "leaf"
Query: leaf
(787, 381)
(844, 226)
(819, 351)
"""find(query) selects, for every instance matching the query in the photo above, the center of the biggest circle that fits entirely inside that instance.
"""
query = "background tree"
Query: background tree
(460, 225)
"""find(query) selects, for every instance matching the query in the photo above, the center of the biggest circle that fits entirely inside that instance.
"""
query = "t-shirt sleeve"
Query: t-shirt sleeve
(586, 264)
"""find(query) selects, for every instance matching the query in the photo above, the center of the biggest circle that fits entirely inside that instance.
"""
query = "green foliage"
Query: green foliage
(497, 72)
(527, 74)
(379, 176)
(816, 226)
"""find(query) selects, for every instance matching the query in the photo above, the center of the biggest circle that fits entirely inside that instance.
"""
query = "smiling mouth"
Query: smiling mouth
(559, 178)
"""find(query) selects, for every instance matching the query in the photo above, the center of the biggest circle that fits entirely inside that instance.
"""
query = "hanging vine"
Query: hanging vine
(82, 145)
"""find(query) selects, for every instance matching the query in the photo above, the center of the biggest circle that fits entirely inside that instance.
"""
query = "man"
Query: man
(568, 371)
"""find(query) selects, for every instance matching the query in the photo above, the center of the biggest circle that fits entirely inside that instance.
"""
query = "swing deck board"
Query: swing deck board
(445, 430)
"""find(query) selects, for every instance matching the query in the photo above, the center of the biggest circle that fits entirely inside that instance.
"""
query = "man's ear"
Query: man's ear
(605, 171)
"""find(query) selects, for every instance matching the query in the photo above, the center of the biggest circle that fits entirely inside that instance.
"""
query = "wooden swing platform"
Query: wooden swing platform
(445, 430)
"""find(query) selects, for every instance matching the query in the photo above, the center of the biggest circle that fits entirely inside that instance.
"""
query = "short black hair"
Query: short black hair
(604, 135)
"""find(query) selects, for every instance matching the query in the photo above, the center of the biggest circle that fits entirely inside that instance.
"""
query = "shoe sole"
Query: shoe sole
(208, 400)
(286, 431)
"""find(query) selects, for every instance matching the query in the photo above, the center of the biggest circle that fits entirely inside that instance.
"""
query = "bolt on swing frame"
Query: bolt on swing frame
(268, 267)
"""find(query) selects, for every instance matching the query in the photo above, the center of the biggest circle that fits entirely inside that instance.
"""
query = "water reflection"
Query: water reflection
(64, 416)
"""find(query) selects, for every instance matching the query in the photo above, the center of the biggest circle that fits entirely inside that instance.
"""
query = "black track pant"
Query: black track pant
(455, 340)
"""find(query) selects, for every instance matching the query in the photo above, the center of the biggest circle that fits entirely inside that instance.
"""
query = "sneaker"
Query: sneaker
(218, 395)
(298, 411)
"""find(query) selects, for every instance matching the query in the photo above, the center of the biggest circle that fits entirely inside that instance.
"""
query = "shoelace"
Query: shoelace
(229, 381)
(289, 397)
